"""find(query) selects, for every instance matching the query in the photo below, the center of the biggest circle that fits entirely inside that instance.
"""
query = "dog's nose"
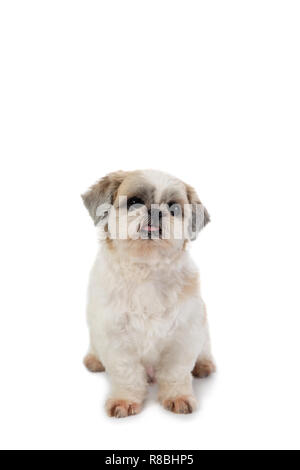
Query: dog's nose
(154, 216)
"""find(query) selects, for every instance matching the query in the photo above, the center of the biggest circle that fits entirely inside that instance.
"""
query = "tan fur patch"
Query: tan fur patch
(93, 364)
(104, 191)
(190, 287)
(192, 196)
(182, 405)
(134, 184)
(122, 408)
(203, 368)
(145, 248)
(109, 243)
(175, 195)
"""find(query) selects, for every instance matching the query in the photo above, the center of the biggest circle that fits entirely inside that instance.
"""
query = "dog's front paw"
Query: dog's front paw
(183, 404)
(122, 408)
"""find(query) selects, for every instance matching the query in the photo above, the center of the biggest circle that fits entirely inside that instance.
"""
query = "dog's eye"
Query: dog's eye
(134, 203)
(174, 208)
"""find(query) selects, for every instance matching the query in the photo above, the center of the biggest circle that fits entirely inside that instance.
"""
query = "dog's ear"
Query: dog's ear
(199, 215)
(100, 197)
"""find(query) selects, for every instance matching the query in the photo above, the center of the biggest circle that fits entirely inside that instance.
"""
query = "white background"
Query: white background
(209, 91)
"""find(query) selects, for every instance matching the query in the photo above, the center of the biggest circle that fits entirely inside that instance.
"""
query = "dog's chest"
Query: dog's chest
(146, 306)
(137, 305)
(148, 299)
(150, 317)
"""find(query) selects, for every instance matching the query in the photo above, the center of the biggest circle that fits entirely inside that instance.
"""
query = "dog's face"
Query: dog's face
(145, 210)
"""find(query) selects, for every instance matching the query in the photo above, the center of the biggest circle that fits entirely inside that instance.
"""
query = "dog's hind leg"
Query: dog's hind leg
(92, 362)
(204, 365)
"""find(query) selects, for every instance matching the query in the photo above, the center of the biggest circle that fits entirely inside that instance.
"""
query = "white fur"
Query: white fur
(139, 320)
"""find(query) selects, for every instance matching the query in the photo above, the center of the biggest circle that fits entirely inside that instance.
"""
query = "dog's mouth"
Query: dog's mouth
(151, 231)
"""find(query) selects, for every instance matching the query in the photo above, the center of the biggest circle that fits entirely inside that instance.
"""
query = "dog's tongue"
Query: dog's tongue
(151, 228)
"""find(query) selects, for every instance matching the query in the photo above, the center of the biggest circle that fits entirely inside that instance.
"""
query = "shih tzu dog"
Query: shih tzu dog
(146, 318)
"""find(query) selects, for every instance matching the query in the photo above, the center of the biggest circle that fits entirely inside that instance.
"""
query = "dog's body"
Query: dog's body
(145, 313)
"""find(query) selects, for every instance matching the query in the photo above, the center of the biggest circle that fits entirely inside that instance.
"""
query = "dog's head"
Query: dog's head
(145, 210)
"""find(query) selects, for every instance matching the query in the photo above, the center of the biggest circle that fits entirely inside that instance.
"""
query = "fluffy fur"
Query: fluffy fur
(145, 312)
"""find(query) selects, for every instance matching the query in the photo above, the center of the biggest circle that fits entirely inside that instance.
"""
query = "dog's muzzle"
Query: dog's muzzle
(153, 228)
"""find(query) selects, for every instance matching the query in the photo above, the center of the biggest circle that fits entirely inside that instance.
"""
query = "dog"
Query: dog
(146, 318)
